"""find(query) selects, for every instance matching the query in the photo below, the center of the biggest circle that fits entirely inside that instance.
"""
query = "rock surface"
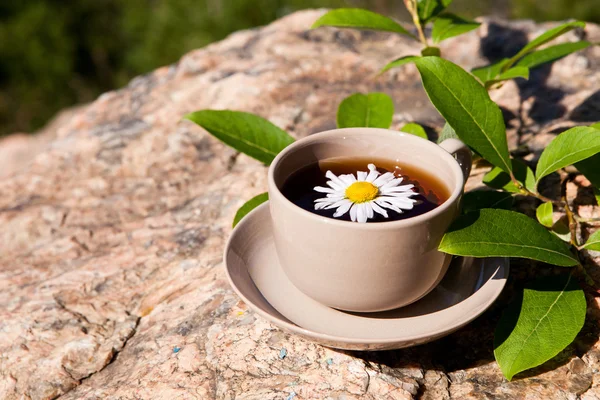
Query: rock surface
(113, 225)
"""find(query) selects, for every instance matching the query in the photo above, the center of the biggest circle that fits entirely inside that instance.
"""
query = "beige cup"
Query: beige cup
(365, 267)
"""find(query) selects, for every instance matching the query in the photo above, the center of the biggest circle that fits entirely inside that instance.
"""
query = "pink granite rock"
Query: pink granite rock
(111, 276)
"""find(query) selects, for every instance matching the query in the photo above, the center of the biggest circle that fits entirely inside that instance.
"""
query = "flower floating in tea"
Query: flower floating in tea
(365, 194)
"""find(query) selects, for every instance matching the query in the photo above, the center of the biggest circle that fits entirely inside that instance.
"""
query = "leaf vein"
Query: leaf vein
(249, 143)
(558, 161)
(515, 245)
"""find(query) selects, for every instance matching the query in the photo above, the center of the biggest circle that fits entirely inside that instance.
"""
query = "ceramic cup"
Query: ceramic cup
(365, 267)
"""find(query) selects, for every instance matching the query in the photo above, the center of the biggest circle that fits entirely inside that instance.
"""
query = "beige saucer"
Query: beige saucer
(468, 289)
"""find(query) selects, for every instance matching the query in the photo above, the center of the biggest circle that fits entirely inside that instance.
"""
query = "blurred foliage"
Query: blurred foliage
(55, 53)
(553, 10)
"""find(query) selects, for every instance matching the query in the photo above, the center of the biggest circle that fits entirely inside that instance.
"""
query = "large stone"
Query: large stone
(113, 225)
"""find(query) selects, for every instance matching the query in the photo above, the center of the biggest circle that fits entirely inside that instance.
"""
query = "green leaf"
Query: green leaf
(593, 242)
(249, 206)
(449, 25)
(431, 51)
(467, 107)
(515, 72)
(374, 110)
(561, 230)
(590, 168)
(480, 199)
(545, 37)
(489, 72)
(398, 62)
(498, 179)
(544, 320)
(245, 132)
(501, 233)
(414, 129)
(447, 133)
(361, 19)
(544, 214)
(551, 54)
(568, 148)
(428, 9)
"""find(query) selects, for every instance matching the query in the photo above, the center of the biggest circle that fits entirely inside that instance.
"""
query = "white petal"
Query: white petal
(405, 205)
(394, 182)
(397, 196)
(325, 200)
(322, 203)
(369, 208)
(353, 212)
(406, 198)
(399, 201)
(361, 176)
(403, 188)
(322, 189)
(348, 179)
(336, 186)
(378, 209)
(373, 173)
(336, 180)
(402, 203)
(320, 206)
(383, 179)
(335, 205)
(361, 213)
(385, 204)
(343, 209)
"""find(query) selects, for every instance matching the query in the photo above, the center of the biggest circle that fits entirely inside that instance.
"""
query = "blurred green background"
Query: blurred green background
(56, 53)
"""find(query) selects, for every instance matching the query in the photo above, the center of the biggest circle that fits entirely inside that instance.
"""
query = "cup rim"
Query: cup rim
(274, 191)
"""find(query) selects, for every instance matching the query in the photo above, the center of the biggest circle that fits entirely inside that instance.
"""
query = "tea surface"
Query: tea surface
(299, 187)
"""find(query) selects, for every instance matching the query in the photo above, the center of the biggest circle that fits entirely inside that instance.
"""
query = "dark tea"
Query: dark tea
(427, 190)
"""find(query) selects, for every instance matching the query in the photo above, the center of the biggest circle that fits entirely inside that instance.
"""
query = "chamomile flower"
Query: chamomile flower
(365, 194)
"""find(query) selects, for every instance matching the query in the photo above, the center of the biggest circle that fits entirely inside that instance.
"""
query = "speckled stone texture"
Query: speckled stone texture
(114, 220)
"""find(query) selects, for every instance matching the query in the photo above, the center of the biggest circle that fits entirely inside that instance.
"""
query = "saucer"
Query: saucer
(469, 287)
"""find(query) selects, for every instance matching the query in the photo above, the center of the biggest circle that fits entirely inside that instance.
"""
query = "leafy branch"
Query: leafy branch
(488, 232)
(411, 6)
(549, 313)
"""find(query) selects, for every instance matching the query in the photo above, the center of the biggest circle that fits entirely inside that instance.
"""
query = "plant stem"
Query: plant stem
(527, 192)
(542, 198)
(520, 186)
(569, 212)
(545, 199)
(509, 64)
(411, 6)
(572, 223)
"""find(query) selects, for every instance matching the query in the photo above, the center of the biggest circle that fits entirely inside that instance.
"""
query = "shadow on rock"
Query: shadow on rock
(473, 345)
(588, 110)
(504, 42)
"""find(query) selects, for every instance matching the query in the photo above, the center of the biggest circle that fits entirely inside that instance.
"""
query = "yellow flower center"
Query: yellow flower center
(361, 192)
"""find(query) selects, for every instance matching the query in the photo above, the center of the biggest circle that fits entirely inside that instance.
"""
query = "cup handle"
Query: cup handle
(461, 152)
